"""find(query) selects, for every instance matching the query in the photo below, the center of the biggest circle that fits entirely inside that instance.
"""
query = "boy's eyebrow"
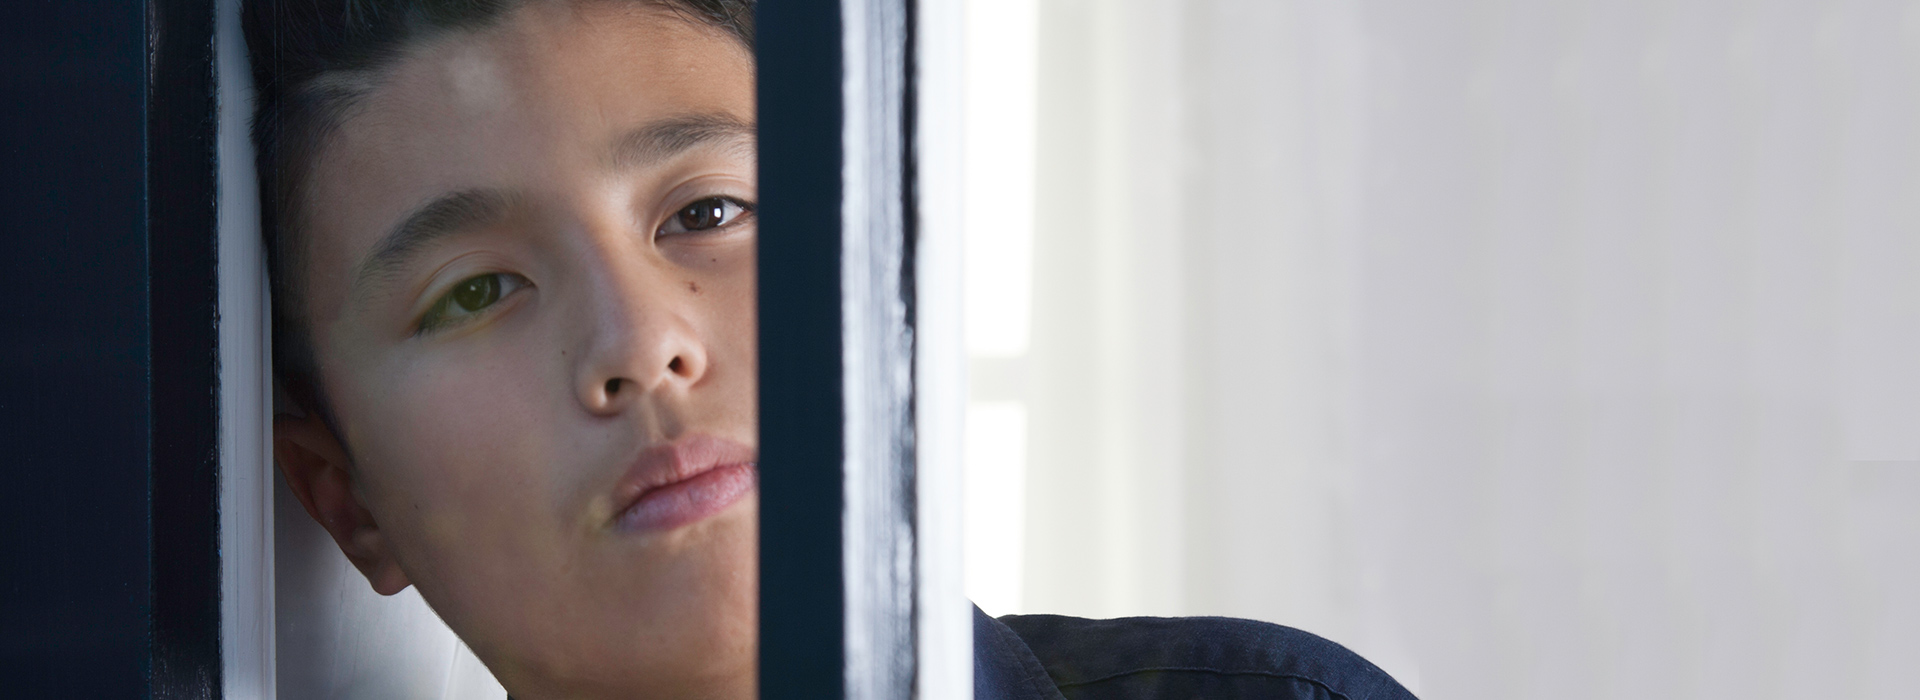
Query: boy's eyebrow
(666, 138)
(446, 215)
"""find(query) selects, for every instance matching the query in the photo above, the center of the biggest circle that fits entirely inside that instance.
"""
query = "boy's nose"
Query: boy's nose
(644, 343)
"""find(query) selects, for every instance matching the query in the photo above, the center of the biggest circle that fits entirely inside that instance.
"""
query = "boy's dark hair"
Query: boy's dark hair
(311, 60)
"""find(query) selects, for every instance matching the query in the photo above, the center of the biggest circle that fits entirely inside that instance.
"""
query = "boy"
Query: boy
(512, 249)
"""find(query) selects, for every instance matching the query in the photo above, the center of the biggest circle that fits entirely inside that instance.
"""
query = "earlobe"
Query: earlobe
(317, 469)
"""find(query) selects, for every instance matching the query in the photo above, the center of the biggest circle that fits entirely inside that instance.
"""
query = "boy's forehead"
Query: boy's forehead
(543, 52)
(534, 100)
(545, 75)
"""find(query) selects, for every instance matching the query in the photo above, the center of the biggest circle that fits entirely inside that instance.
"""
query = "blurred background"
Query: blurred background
(1559, 349)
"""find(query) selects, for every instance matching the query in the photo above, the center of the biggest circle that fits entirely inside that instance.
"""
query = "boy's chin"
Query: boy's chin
(673, 654)
(678, 618)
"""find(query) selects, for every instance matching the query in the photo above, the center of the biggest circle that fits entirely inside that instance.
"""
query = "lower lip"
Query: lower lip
(686, 502)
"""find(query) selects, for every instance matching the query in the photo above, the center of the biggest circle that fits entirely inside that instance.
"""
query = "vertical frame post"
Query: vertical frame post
(109, 381)
(184, 320)
(943, 617)
(836, 350)
(75, 366)
(877, 293)
(802, 621)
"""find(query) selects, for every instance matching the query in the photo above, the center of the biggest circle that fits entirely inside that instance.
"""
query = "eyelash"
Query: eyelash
(503, 285)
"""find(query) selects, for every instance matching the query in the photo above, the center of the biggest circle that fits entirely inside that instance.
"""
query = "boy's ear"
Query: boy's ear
(317, 469)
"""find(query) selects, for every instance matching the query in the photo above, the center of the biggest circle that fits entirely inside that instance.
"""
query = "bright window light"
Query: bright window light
(1001, 50)
(996, 504)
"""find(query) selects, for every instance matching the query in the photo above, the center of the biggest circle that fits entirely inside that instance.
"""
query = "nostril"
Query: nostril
(613, 386)
(676, 366)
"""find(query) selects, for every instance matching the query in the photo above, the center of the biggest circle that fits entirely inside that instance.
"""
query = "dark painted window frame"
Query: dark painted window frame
(836, 310)
(184, 287)
(113, 240)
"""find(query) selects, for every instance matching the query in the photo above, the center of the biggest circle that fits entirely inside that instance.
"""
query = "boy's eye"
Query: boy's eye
(477, 293)
(470, 297)
(705, 215)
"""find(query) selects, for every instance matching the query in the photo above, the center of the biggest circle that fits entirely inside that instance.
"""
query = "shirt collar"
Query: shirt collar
(1003, 667)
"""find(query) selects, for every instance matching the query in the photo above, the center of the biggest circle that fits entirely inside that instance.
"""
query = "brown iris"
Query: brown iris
(704, 214)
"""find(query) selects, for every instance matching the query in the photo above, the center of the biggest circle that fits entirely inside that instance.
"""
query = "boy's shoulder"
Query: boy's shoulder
(1146, 658)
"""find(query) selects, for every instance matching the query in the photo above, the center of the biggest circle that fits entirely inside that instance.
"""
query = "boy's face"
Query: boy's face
(530, 281)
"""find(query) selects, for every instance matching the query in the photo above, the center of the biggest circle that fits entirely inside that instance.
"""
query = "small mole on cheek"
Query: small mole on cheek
(695, 288)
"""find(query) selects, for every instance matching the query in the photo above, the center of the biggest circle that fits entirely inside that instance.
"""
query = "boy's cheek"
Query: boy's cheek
(462, 525)
(452, 485)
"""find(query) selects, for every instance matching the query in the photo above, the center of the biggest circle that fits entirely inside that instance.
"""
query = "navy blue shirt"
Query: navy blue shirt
(1050, 657)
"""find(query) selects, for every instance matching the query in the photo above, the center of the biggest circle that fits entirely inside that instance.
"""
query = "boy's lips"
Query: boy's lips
(682, 482)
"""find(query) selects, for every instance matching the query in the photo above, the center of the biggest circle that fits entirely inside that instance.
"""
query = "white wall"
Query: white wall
(338, 639)
(1533, 349)
(246, 400)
